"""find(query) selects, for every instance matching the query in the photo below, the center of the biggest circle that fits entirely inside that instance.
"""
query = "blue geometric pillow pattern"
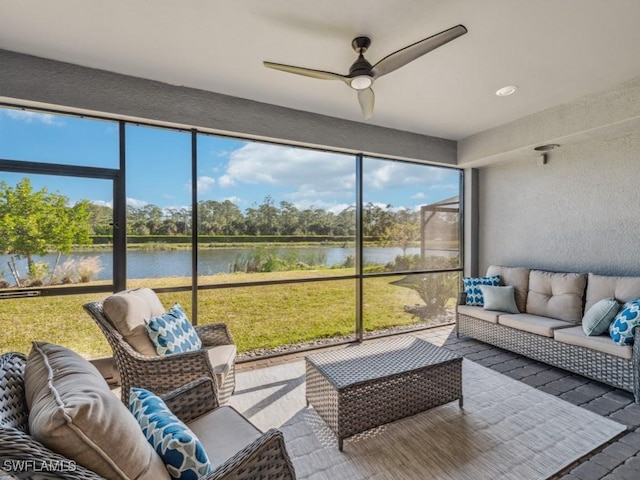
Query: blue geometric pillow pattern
(177, 445)
(472, 288)
(623, 327)
(172, 332)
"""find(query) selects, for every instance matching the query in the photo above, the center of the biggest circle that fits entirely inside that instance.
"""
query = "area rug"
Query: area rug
(506, 430)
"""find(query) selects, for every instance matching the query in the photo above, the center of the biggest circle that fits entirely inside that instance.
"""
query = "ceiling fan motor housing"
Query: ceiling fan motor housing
(361, 44)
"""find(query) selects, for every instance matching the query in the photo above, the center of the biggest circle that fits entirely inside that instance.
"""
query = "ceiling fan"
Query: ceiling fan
(362, 74)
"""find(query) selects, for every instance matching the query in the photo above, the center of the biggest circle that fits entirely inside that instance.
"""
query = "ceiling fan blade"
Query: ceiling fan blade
(366, 99)
(408, 54)
(307, 72)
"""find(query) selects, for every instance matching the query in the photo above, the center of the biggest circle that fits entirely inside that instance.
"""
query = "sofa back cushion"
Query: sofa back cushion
(127, 311)
(556, 295)
(518, 277)
(623, 289)
(73, 412)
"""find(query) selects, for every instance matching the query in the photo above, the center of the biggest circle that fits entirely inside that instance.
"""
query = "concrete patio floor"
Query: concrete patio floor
(619, 460)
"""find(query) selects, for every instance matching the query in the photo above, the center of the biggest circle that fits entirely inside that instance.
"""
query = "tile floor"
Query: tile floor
(619, 460)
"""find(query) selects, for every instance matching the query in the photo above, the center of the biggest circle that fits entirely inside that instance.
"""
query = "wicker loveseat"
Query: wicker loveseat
(548, 327)
(236, 448)
(121, 319)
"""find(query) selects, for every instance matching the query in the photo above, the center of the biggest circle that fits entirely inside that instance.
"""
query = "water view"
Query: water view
(177, 263)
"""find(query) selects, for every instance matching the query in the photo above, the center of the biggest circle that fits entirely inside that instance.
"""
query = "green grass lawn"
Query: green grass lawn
(258, 317)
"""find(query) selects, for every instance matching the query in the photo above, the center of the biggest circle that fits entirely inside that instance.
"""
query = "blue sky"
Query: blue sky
(158, 167)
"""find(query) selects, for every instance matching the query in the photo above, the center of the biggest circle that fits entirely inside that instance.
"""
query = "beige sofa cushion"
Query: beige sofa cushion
(556, 295)
(127, 311)
(533, 323)
(601, 343)
(479, 312)
(73, 412)
(223, 432)
(623, 289)
(516, 276)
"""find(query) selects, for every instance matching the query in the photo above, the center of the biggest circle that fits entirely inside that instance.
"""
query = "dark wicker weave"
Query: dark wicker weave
(20, 455)
(264, 459)
(163, 374)
(610, 369)
(362, 387)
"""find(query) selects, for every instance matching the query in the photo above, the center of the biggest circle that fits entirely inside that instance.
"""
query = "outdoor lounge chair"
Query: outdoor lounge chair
(121, 319)
(236, 448)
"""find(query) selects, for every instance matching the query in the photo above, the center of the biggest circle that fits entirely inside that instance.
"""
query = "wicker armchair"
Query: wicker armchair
(162, 374)
(263, 457)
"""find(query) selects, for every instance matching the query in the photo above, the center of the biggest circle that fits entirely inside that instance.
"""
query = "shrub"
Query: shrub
(37, 273)
(260, 261)
(434, 289)
(80, 270)
(88, 268)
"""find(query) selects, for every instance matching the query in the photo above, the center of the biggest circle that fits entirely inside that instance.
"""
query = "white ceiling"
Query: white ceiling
(553, 50)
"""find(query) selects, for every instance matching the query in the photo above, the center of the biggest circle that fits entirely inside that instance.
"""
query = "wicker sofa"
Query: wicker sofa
(83, 431)
(548, 329)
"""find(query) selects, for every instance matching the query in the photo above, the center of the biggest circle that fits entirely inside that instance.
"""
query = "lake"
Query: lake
(177, 263)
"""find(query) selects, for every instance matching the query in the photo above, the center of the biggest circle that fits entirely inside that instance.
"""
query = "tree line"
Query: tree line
(41, 222)
(267, 218)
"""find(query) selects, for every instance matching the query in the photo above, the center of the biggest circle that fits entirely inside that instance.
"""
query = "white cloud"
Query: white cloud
(419, 195)
(31, 117)
(312, 173)
(102, 203)
(226, 181)
(135, 203)
(381, 175)
(324, 205)
(205, 184)
(234, 199)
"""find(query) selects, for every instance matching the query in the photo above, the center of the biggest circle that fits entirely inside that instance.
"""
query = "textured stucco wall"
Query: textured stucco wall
(35, 79)
(579, 212)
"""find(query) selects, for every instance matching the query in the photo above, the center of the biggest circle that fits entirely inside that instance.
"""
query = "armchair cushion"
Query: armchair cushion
(177, 445)
(73, 413)
(127, 311)
(238, 433)
(172, 332)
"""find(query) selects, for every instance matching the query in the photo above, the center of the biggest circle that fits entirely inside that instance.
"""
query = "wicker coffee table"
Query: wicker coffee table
(365, 386)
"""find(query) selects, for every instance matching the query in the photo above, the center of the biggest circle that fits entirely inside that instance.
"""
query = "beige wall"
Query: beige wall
(579, 212)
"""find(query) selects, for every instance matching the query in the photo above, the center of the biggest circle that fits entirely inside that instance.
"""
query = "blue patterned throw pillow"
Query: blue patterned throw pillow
(472, 288)
(177, 445)
(623, 327)
(172, 332)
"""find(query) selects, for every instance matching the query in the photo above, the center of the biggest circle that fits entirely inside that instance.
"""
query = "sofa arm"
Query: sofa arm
(214, 334)
(265, 457)
(23, 457)
(193, 399)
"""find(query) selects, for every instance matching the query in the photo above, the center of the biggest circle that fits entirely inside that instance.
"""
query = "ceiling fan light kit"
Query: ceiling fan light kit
(362, 74)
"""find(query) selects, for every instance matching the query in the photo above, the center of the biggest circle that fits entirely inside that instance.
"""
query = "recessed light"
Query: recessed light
(506, 91)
